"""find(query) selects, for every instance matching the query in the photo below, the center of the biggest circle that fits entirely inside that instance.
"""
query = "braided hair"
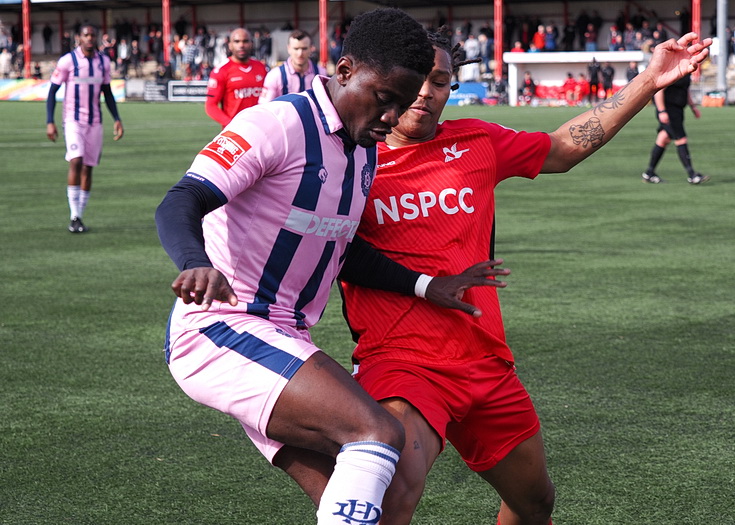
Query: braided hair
(440, 40)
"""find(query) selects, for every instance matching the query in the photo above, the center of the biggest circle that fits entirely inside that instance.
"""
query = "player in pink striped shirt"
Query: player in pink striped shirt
(259, 227)
(86, 74)
(296, 74)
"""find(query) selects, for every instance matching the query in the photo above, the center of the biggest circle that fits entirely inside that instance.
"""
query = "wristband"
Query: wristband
(422, 283)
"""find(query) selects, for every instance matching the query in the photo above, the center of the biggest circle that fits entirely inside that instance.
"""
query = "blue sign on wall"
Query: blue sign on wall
(468, 93)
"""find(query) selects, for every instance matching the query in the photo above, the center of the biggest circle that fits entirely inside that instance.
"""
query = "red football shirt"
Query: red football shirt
(431, 208)
(233, 87)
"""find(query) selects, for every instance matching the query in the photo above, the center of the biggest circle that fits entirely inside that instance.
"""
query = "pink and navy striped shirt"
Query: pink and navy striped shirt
(84, 78)
(293, 188)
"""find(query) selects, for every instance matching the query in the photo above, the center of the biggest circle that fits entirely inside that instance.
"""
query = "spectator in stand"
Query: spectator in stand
(108, 47)
(629, 36)
(65, 43)
(620, 21)
(499, 90)
(608, 74)
(266, 46)
(486, 53)
(590, 38)
(632, 71)
(539, 38)
(190, 59)
(569, 35)
(517, 47)
(123, 58)
(205, 71)
(210, 46)
(656, 39)
(19, 61)
(638, 41)
(6, 63)
(618, 45)
(471, 72)
(47, 33)
(612, 37)
(527, 91)
(135, 59)
(550, 37)
(646, 30)
(581, 24)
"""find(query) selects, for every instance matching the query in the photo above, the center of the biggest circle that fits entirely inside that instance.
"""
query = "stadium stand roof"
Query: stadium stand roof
(62, 5)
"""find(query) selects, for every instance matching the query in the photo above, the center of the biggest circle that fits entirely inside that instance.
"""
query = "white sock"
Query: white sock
(355, 490)
(83, 198)
(72, 194)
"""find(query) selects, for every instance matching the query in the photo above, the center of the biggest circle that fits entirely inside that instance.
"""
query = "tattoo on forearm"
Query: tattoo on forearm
(590, 133)
(613, 102)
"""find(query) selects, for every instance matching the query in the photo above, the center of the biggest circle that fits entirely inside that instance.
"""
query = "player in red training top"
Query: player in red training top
(443, 374)
(236, 84)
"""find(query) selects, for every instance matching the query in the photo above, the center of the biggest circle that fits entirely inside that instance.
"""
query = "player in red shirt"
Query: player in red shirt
(443, 374)
(236, 84)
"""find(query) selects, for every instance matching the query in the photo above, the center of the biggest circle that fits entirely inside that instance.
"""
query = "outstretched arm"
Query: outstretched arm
(583, 135)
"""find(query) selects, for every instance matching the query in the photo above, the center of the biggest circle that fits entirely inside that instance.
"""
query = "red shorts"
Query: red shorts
(481, 407)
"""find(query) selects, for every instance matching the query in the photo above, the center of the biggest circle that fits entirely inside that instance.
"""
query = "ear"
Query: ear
(344, 69)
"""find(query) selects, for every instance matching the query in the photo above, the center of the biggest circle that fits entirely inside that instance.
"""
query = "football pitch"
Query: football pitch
(620, 310)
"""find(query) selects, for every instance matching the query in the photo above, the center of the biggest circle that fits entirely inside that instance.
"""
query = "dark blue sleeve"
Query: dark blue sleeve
(51, 103)
(366, 266)
(179, 222)
(110, 101)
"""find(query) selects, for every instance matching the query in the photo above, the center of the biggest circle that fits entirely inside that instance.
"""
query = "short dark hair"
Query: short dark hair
(388, 38)
(299, 34)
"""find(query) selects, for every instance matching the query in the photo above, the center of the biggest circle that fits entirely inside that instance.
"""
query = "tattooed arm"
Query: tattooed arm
(579, 138)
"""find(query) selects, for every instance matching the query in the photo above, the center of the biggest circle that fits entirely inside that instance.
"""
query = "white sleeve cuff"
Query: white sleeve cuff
(422, 283)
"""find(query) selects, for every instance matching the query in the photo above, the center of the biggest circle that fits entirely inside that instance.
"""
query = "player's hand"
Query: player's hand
(202, 286)
(663, 117)
(117, 127)
(696, 112)
(447, 291)
(51, 132)
(674, 59)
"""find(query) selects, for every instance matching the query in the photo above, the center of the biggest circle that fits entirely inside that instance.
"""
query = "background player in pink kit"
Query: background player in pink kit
(297, 73)
(443, 374)
(236, 84)
(259, 227)
(86, 73)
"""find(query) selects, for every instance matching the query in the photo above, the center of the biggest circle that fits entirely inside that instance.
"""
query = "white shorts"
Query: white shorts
(83, 140)
(235, 363)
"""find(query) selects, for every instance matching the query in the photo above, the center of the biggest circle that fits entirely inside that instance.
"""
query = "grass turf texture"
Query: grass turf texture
(620, 311)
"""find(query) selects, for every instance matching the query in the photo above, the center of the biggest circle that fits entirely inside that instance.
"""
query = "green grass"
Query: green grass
(620, 311)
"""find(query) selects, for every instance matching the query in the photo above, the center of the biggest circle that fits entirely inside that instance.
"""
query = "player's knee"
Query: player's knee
(542, 505)
(384, 428)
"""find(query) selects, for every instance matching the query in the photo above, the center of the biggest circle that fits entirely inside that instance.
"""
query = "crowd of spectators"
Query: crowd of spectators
(196, 51)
